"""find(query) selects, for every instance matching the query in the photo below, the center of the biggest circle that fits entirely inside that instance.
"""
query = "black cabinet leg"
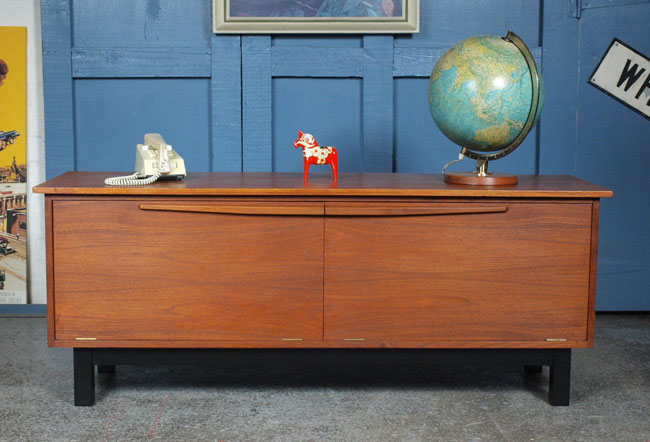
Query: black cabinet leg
(106, 369)
(84, 377)
(560, 377)
(532, 369)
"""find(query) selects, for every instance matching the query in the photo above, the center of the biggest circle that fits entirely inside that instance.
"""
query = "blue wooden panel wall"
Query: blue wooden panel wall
(117, 69)
(232, 103)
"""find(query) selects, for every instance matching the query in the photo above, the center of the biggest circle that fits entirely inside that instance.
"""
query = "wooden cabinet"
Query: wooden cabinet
(129, 271)
(263, 261)
(510, 272)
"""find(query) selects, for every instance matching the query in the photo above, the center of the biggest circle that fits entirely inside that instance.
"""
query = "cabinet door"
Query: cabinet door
(143, 271)
(457, 272)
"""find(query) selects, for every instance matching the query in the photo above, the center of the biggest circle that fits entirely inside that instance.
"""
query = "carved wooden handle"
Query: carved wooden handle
(304, 209)
(388, 210)
(316, 209)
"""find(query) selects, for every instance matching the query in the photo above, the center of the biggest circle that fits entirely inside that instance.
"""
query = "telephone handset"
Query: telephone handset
(154, 160)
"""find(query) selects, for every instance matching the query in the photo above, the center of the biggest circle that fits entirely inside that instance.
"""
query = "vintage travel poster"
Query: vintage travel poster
(13, 165)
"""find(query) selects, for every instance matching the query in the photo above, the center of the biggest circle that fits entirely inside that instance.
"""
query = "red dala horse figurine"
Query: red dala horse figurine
(316, 154)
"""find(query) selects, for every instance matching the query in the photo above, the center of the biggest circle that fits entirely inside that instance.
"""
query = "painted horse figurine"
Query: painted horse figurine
(316, 154)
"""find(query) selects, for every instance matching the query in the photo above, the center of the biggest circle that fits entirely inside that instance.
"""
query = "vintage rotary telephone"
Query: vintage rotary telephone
(154, 160)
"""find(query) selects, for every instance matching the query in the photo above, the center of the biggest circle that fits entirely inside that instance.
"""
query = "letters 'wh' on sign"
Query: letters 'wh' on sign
(624, 74)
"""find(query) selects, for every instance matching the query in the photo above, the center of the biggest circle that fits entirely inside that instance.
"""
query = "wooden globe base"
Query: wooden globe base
(472, 179)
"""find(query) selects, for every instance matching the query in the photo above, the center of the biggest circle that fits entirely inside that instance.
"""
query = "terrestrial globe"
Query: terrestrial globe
(486, 94)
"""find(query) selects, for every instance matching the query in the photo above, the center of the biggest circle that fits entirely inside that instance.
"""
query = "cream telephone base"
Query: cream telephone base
(154, 160)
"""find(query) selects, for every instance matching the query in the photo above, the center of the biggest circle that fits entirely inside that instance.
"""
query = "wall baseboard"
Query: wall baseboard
(23, 309)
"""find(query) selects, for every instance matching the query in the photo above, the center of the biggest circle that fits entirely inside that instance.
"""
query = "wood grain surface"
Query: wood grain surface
(512, 276)
(294, 208)
(121, 273)
(408, 209)
(251, 260)
(349, 184)
(278, 343)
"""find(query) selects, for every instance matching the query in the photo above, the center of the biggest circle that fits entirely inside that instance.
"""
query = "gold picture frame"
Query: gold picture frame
(408, 21)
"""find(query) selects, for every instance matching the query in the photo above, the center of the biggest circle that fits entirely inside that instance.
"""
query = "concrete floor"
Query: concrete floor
(610, 397)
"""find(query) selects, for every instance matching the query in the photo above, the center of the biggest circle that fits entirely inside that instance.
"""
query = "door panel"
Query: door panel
(514, 275)
(123, 273)
(613, 152)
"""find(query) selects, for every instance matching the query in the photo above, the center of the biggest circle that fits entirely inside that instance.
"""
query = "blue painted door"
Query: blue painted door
(116, 69)
(613, 149)
(586, 133)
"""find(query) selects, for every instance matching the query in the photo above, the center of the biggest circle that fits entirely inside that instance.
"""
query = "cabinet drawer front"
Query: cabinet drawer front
(124, 273)
(519, 274)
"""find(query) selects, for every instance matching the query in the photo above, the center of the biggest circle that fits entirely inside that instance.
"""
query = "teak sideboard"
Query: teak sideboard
(378, 266)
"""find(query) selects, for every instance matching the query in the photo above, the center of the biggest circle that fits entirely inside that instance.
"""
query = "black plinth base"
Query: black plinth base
(85, 359)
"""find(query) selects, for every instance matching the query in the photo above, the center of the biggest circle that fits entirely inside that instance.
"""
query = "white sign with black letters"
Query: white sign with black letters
(624, 74)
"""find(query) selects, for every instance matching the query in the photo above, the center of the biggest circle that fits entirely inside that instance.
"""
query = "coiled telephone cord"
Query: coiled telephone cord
(132, 180)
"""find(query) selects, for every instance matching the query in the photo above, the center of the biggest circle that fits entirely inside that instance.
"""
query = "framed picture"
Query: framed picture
(316, 16)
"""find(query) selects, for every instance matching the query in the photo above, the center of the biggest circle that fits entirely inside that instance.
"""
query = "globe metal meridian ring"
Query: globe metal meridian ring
(482, 158)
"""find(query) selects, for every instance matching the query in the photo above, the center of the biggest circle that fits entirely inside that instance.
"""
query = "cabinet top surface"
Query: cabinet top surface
(349, 184)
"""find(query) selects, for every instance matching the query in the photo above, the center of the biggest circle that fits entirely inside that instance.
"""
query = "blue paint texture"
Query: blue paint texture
(613, 149)
(153, 9)
(231, 103)
(178, 109)
(311, 112)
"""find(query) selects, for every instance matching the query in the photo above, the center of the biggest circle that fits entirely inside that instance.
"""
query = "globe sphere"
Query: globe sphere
(480, 93)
